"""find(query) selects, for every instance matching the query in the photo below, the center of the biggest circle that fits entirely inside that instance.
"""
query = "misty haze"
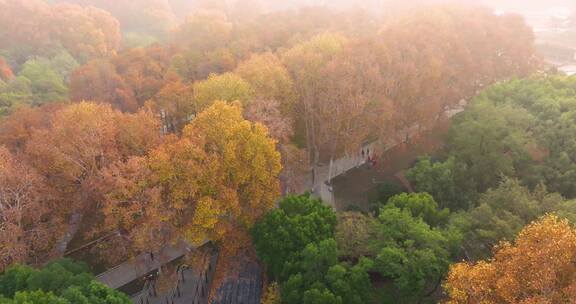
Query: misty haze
(287, 151)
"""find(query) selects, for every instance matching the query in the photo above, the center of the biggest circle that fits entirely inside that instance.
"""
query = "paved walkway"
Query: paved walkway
(324, 174)
(141, 265)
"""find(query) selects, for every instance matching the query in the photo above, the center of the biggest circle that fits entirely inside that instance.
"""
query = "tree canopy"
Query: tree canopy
(536, 268)
(60, 282)
(520, 128)
(284, 232)
(219, 176)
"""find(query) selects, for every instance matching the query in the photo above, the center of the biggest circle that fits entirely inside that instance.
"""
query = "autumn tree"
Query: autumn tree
(28, 225)
(304, 61)
(278, 29)
(274, 106)
(23, 28)
(175, 102)
(98, 80)
(349, 107)
(268, 113)
(536, 268)
(126, 81)
(84, 138)
(220, 175)
(150, 17)
(95, 33)
(426, 75)
(5, 70)
(204, 37)
(270, 79)
(195, 65)
(205, 30)
(226, 87)
(249, 155)
(34, 28)
(144, 69)
(17, 128)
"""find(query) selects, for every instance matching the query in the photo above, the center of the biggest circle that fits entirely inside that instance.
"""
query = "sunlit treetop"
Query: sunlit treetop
(538, 267)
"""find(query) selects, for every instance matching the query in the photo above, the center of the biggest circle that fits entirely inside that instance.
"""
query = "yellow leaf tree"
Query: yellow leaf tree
(538, 268)
(247, 154)
(225, 87)
(222, 174)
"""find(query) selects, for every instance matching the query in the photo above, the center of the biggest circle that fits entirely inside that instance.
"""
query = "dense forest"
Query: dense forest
(128, 127)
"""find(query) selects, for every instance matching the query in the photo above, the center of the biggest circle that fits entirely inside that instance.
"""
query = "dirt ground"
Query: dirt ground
(358, 187)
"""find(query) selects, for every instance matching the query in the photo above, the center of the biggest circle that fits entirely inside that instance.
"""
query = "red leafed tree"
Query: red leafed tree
(5, 70)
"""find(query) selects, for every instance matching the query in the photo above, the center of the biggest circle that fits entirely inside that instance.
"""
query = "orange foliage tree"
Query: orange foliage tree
(144, 69)
(126, 81)
(86, 32)
(269, 78)
(84, 138)
(149, 16)
(17, 129)
(33, 27)
(99, 81)
(267, 112)
(5, 70)
(537, 268)
(423, 73)
(399, 82)
(205, 39)
(176, 104)
(304, 61)
(28, 226)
